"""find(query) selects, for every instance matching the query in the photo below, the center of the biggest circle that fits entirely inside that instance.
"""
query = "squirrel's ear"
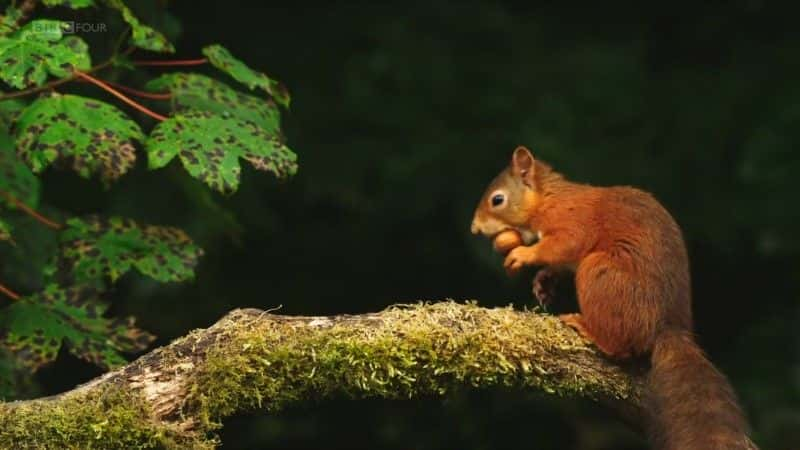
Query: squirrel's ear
(522, 165)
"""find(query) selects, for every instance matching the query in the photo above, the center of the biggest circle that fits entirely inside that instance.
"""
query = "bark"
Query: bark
(175, 396)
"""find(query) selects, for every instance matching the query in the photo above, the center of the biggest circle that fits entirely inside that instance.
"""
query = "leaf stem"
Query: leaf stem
(173, 62)
(61, 81)
(138, 93)
(120, 95)
(30, 211)
(9, 293)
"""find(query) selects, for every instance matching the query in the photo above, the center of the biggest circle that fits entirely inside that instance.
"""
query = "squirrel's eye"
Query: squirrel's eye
(498, 199)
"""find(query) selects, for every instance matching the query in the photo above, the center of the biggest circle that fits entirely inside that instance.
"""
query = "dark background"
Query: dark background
(402, 113)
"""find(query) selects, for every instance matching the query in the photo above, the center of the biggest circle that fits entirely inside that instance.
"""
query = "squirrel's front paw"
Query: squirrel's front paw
(518, 258)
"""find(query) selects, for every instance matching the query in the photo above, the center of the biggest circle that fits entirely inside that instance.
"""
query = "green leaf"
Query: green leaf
(9, 21)
(210, 145)
(35, 327)
(222, 59)
(16, 178)
(29, 54)
(94, 248)
(5, 231)
(142, 36)
(73, 4)
(95, 136)
(194, 91)
(9, 110)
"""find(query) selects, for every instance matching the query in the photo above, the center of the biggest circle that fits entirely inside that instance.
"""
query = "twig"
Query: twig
(30, 211)
(120, 96)
(9, 293)
(174, 62)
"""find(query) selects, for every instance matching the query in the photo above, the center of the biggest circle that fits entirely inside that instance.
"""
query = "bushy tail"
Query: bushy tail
(692, 405)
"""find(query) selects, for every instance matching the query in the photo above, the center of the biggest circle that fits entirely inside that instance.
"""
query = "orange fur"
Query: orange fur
(632, 281)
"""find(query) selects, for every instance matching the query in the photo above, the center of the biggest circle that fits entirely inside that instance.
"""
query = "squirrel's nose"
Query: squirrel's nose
(475, 228)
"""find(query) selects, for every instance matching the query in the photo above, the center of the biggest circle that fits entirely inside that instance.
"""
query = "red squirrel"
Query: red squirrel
(632, 283)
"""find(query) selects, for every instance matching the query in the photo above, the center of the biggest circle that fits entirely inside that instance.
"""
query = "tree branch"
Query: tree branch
(254, 360)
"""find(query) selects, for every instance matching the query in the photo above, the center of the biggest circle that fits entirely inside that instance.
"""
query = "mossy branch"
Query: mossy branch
(175, 396)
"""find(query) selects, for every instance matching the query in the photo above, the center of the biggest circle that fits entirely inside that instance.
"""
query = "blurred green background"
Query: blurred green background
(403, 112)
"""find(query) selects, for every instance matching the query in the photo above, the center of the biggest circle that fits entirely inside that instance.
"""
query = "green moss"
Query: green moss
(407, 351)
(257, 361)
(109, 418)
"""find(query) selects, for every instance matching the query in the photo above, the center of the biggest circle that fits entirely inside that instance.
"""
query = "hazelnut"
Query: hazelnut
(507, 240)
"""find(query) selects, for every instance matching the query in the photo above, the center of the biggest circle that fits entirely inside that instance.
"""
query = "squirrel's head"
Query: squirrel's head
(510, 199)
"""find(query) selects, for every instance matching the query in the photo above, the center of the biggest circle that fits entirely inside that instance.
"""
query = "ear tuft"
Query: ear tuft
(522, 165)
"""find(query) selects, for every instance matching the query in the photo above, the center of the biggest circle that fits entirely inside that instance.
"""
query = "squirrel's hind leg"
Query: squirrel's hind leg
(618, 308)
(575, 321)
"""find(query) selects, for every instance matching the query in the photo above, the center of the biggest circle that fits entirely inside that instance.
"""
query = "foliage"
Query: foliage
(60, 267)
(210, 145)
(97, 137)
(40, 48)
(194, 91)
(16, 181)
(142, 36)
(94, 248)
(8, 21)
(222, 59)
(35, 327)
(9, 110)
(16, 178)
(75, 4)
